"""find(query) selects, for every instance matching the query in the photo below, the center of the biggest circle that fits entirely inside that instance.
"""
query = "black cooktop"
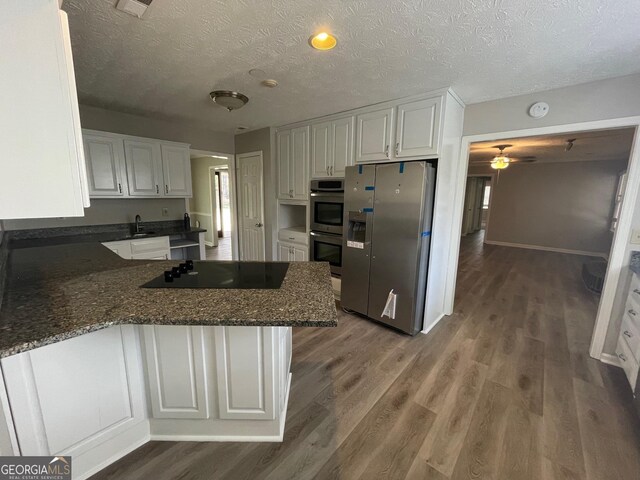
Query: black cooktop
(241, 275)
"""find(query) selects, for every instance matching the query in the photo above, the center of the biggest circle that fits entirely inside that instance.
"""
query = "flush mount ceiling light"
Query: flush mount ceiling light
(323, 41)
(228, 99)
(500, 161)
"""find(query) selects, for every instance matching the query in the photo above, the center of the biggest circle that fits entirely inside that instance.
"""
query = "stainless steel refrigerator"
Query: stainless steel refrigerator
(387, 232)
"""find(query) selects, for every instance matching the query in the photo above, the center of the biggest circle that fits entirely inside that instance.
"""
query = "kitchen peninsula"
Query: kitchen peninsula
(94, 366)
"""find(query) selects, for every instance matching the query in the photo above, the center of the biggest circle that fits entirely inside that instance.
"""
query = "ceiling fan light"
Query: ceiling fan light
(500, 162)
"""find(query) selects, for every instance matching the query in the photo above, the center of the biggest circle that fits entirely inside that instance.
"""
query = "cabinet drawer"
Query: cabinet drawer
(632, 311)
(296, 236)
(631, 334)
(627, 362)
(634, 289)
(149, 245)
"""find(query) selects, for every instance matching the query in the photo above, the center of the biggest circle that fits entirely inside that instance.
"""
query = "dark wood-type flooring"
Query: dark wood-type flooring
(502, 389)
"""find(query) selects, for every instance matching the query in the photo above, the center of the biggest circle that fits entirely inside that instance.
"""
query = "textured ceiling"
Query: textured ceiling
(166, 64)
(593, 145)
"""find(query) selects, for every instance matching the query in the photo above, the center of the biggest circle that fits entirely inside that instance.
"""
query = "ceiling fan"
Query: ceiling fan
(502, 160)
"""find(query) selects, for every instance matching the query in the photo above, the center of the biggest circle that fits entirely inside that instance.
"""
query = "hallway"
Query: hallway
(222, 251)
(502, 389)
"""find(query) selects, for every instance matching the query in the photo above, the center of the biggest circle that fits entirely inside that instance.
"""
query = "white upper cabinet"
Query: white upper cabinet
(417, 127)
(283, 141)
(321, 150)
(144, 168)
(300, 162)
(176, 166)
(374, 135)
(341, 145)
(122, 166)
(331, 147)
(293, 161)
(105, 165)
(39, 114)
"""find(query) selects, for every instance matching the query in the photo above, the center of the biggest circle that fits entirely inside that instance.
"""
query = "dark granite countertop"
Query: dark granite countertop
(57, 292)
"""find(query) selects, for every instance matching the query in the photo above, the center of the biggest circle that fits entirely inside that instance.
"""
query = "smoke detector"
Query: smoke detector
(137, 8)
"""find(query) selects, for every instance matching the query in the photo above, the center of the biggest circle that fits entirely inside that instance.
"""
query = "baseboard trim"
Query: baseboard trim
(430, 327)
(548, 249)
(217, 438)
(610, 359)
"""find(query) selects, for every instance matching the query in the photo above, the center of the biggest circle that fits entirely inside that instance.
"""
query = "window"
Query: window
(485, 197)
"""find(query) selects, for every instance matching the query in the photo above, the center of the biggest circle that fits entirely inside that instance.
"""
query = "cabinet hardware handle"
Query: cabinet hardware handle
(120, 187)
(632, 312)
(166, 189)
(331, 170)
(397, 148)
(386, 151)
(626, 332)
(635, 290)
(328, 171)
(292, 238)
(622, 357)
(259, 224)
(157, 189)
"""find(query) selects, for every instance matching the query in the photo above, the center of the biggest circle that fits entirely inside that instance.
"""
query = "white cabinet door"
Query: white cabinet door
(41, 144)
(299, 254)
(284, 252)
(122, 248)
(245, 358)
(417, 128)
(321, 150)
(144, 168)
(105, 165)
(300, 163)
(176, 371)
(70, 397)
(342, 145)
(373, 136)
(176, 167)
(283, 142)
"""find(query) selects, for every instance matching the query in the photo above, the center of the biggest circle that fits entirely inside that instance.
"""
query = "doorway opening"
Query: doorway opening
(214, 204)
(540, 260)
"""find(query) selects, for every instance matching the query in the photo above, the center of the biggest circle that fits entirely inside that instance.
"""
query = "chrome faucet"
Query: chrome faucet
(138, 222)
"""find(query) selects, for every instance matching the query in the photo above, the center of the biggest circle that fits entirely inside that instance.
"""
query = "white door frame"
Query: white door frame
(620, 238)
(233, 196)
(239, 157)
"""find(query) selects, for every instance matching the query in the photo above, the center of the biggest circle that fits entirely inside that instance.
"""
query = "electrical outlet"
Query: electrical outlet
(635, 237)
(165, 212)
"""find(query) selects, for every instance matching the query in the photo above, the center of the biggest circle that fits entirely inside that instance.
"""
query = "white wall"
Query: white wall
(606, 99)
(564, 206)
(108, 211)
(200, 139)
(200, 204)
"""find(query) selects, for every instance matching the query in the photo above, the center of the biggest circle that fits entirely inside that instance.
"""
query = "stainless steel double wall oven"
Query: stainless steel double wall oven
(327, 215)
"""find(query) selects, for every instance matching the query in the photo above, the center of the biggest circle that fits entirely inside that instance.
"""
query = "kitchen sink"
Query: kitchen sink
(142, 234)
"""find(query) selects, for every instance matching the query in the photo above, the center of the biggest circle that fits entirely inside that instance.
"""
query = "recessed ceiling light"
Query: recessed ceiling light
(323, 41)
(269, 82)
(228, 99)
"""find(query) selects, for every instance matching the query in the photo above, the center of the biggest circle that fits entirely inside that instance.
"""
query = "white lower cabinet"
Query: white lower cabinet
(177, 371)
(289, 252)
(156, 248)
(82, 397)
(628, 346)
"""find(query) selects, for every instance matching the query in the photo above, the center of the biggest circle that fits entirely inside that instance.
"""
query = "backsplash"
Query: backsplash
(125, 228)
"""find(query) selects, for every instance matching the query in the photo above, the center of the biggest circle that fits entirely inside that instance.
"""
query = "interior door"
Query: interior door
(105, 165)
(321, 150)
(144, 168)
(417, 128)
(176, 168)
(373, 139)
(342, 145)
(251, 187)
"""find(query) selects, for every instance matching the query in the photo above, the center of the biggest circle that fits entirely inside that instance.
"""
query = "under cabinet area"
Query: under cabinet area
(122, 166)
(289, 252)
